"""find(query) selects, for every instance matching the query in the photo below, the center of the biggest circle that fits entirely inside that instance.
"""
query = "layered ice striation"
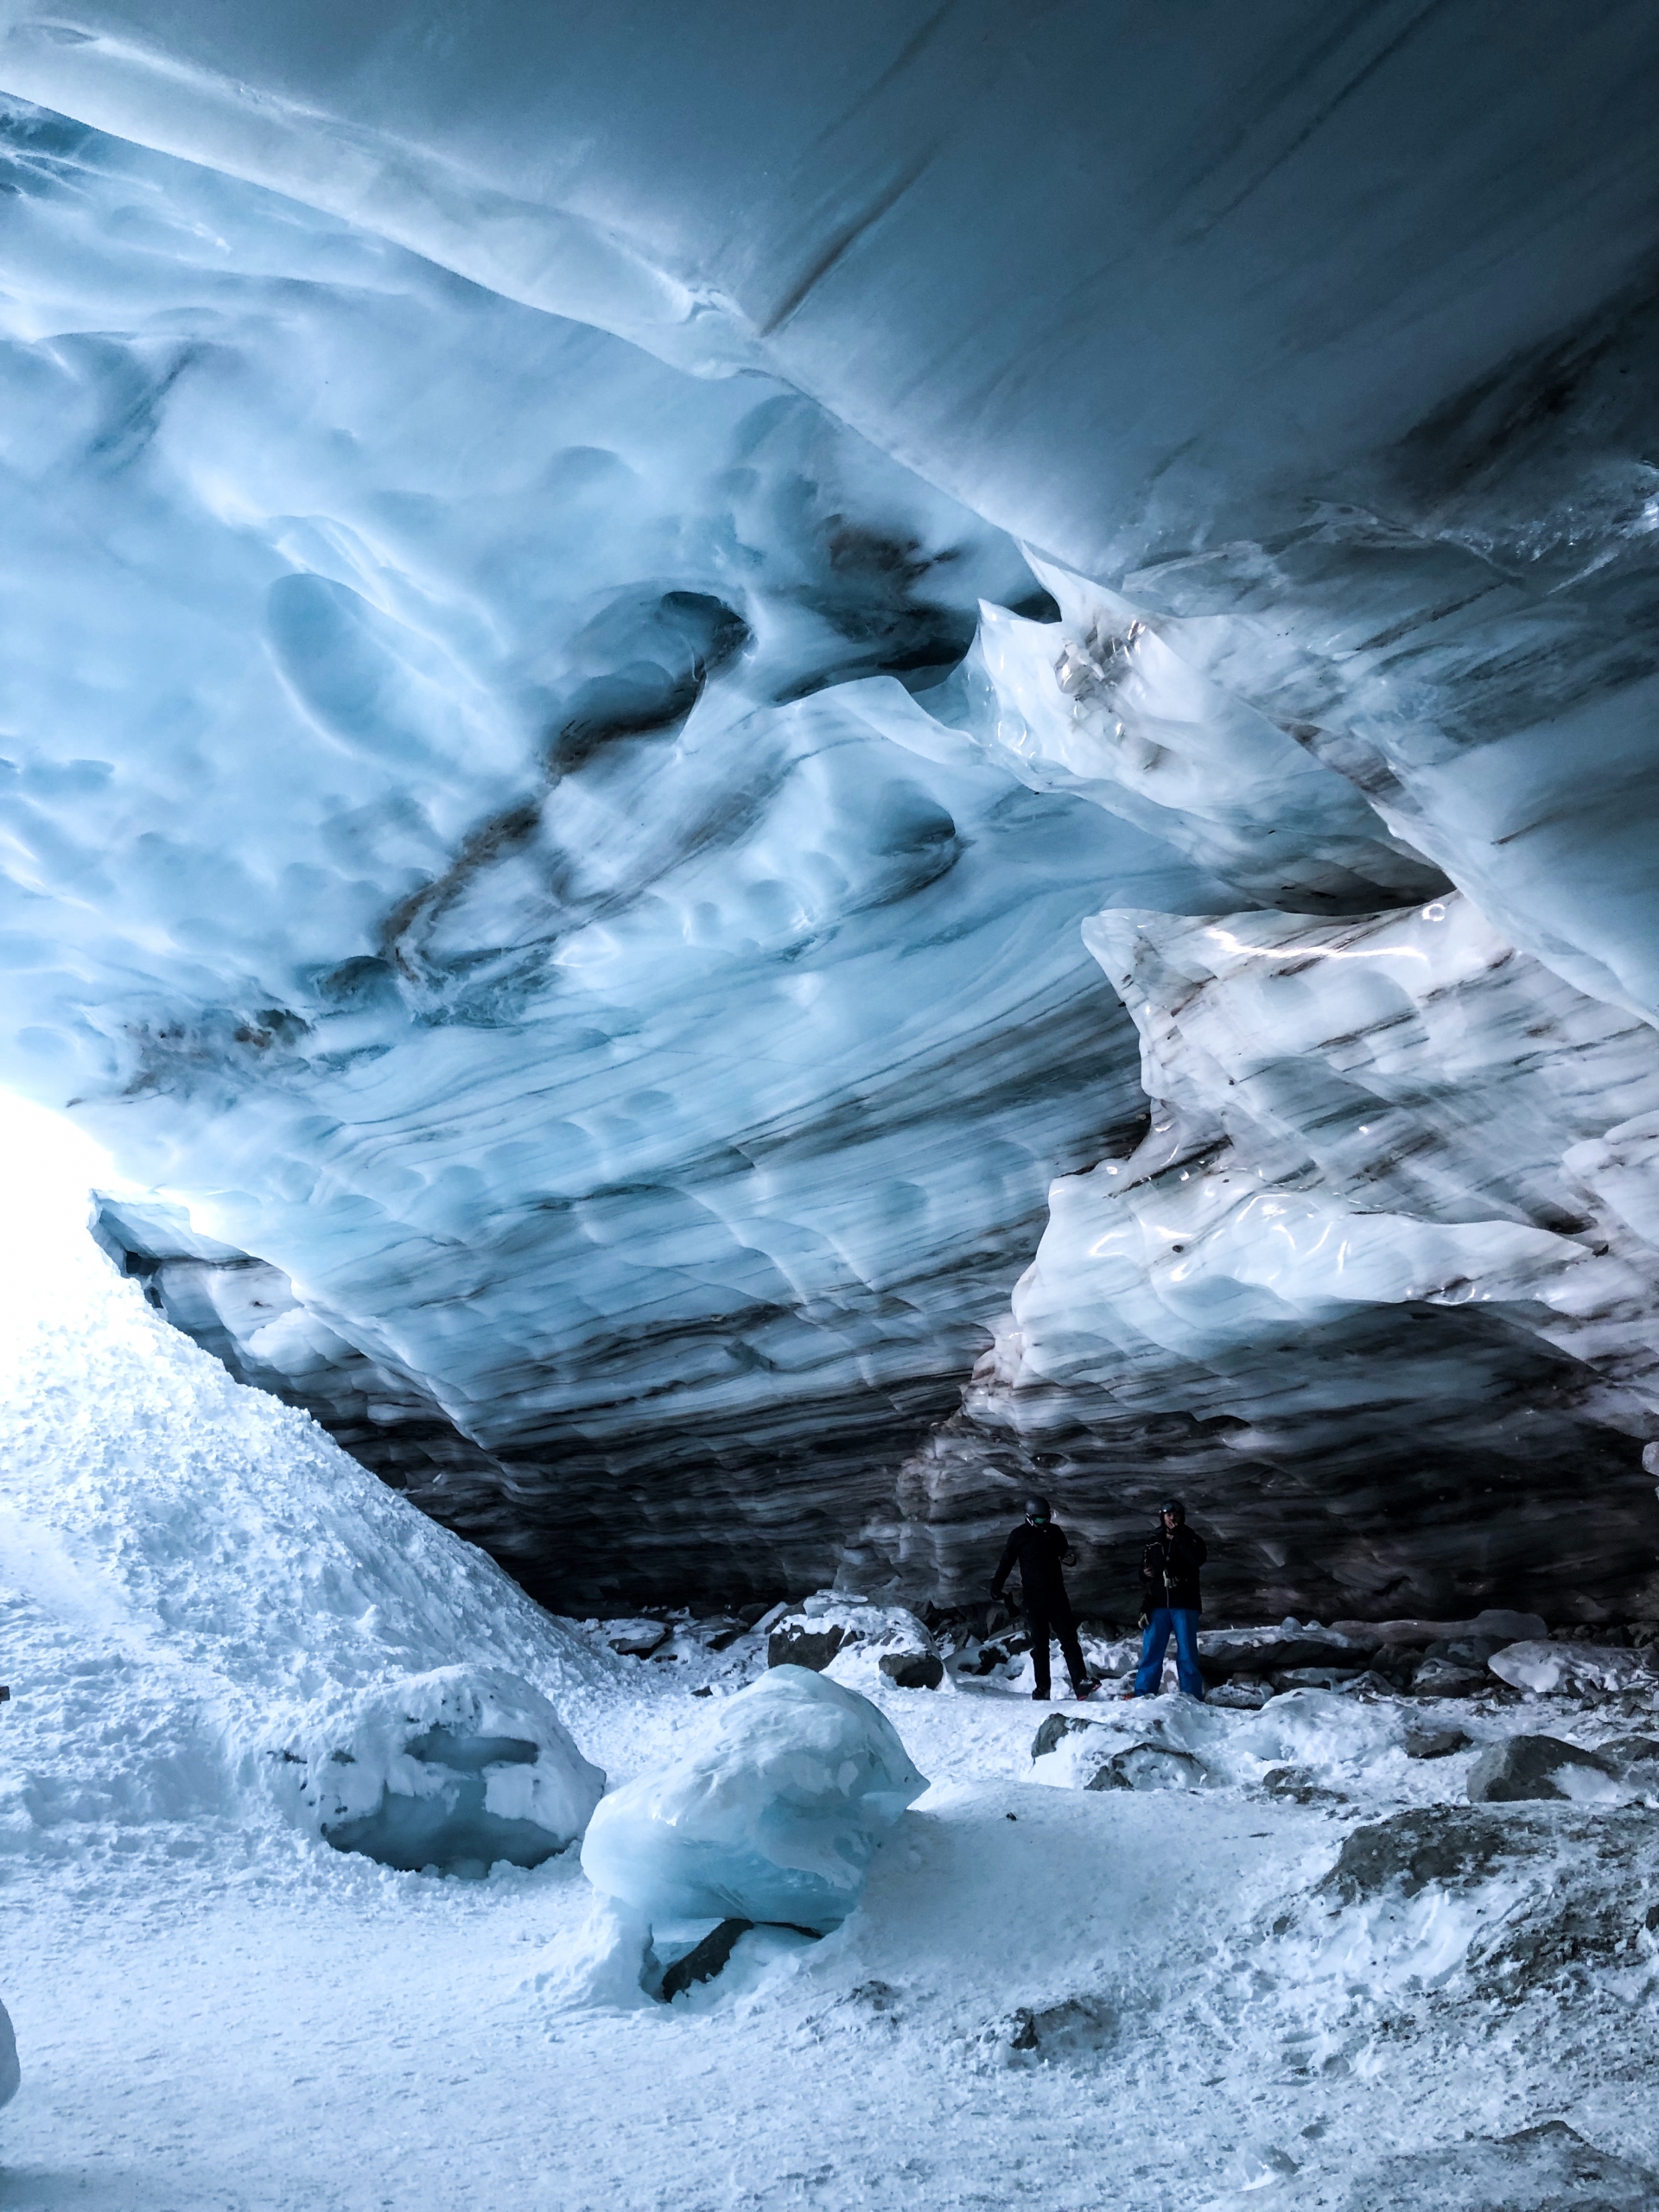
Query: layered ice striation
(773, 1812)
(562, 952)
(1378, 1288)
(564, 873)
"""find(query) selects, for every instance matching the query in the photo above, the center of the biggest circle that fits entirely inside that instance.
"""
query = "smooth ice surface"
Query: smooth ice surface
(773, 1812)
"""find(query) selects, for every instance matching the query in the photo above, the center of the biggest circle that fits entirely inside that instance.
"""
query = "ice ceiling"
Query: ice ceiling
(786, 763)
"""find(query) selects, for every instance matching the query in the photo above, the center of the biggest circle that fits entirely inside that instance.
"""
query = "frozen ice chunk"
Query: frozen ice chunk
(457, 1769)
(10, 2072)
(773, 1814)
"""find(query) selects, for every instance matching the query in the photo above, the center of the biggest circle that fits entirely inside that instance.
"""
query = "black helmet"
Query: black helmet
(1175, 1509)
(1036, 1509)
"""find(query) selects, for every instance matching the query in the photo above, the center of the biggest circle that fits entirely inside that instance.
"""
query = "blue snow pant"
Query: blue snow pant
(1184, 1624)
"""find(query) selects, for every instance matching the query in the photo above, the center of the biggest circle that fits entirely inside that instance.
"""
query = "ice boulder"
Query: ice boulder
(773, 1812)
(457, 1770)
(10, 2072)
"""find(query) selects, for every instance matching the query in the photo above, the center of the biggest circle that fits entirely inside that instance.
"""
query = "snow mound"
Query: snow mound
(457, 1769)
(194, 1576)
(773, 1814)
(10, 2072)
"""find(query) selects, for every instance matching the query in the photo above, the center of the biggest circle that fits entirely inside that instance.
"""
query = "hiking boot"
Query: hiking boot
(1039, 1697)
(1078, 1695)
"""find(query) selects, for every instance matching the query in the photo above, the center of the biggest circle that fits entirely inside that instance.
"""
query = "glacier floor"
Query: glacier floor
(1049, 1995)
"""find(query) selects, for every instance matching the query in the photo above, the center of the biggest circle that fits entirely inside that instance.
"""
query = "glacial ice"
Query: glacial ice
(511, 837)
(773, 1812)
(458, 1769)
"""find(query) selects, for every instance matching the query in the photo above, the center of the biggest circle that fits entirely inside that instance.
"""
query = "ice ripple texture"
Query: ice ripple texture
(575, 868)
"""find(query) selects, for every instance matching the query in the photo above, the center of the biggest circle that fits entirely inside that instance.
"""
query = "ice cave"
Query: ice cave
(780, 787)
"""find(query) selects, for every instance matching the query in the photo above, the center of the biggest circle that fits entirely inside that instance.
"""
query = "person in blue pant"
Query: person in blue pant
(1170, 1603)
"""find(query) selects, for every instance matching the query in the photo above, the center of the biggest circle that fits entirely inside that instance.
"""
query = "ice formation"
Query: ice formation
(773, 1812)
(547, 810)
(461, 1768)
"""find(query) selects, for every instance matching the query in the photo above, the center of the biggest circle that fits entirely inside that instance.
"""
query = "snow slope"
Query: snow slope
(1049, 1995)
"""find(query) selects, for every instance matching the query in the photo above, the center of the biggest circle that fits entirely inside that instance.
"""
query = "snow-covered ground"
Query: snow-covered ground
(1322, 1979)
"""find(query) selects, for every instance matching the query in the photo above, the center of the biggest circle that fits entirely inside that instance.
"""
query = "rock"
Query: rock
(913, 1670)
(706, 1959)
(1055, 1730)
(1432, 1843)
(1240, 1694)
(1314, 1678)
(1436, 1742)
(636, 1639)
(1534, 1766)
(1548, 2169)
(832, 1622)
(1443, 1678)
(1544, 1668)
(718, 1635)
(1151, 1766)
(1625, 1752)
(792, 1643)
(1502, 1627)
(1230, 1651)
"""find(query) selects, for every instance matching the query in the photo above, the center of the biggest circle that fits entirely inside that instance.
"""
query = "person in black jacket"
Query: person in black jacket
(1039, 1551)
(1170, 1603)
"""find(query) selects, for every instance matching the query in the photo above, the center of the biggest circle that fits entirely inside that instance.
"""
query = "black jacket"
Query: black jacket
(1039, 1553)
(1169, 1571)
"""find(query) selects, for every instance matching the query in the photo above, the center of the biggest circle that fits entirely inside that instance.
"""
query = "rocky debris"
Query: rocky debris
(1315, 1677)
(635, 1639)
(1077, 2024)
(1432, 1843)
(1055, 1730)
(1496, 1624)
(913, 1670)
(1444, 1678)
(1548, 2169)
(1544, 1668)
(1590, 1905)
(832, 1622)
(1225, 1652)
(1298, 1788)
(795, 1644)
(705, 1959)
(722, 1632)
(1150, 1766)
(1632, 1757)
(1436, 1742)
(1532, 1766)
(1240, 1694)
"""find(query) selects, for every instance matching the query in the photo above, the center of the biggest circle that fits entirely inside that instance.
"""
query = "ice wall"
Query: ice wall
(512, 834)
